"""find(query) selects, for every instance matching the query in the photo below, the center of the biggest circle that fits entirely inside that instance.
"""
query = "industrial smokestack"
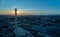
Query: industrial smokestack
(15, 16)
(15, 11)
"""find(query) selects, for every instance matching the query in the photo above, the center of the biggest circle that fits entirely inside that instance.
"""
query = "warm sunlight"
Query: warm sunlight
(19, 12)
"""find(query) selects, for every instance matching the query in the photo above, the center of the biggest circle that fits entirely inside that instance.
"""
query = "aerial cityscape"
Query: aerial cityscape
(30, 18)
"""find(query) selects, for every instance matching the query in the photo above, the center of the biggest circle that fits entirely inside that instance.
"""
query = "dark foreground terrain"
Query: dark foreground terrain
(30, 26)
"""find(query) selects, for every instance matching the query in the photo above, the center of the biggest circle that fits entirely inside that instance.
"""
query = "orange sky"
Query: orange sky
(20, 12)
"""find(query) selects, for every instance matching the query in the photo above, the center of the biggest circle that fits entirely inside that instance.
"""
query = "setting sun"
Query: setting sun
(19, 12)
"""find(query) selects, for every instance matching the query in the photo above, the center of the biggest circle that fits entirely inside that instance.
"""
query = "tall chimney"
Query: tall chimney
(16, 16)
(15, 11)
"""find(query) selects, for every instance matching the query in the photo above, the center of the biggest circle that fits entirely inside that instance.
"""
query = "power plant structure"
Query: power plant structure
(15, 16)
(15, 11)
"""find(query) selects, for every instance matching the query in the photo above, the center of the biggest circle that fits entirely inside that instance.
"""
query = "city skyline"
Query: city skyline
(30, 7)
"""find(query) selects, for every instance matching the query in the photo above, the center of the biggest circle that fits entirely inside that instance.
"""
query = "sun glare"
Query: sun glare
(18, 12)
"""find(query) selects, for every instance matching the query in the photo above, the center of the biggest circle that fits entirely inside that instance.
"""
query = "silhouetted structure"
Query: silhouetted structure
(15, 11)
(15, 16)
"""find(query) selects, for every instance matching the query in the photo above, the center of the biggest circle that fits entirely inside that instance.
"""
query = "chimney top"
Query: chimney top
(15, 8)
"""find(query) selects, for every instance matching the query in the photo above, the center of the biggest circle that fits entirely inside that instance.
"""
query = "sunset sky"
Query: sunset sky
(30, 7)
